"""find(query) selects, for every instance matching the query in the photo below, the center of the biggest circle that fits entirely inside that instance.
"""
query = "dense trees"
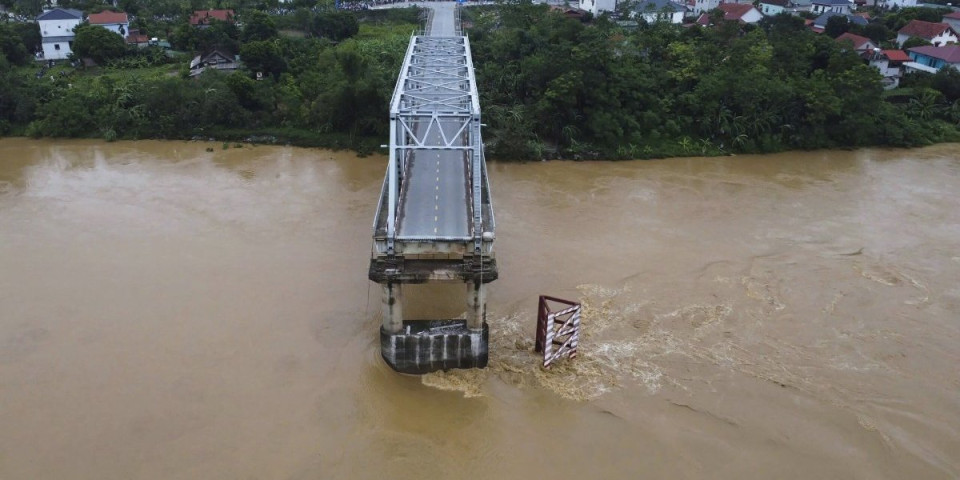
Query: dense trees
(552, 84)
(315, 91)
(335, 25)
(98, 43)
(18, 41)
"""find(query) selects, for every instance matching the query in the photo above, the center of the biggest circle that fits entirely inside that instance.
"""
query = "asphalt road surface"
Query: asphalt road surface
(443, 19)
(434, 203)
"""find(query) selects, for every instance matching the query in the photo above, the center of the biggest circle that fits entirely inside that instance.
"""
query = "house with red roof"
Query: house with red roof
(116, 22)
(735, 12)
(860, 44)
(202, 18)
(932, 59)
(889, 63)
(939, 34)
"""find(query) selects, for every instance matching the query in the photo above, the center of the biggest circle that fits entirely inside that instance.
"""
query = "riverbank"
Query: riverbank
(551, 87)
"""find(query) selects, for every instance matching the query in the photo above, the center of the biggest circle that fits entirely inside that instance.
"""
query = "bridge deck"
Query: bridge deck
(435, 193)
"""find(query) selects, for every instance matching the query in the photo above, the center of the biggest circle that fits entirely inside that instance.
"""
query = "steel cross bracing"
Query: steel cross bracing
(435, 108)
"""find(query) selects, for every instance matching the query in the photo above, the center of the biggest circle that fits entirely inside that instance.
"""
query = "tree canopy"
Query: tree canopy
(98, 43)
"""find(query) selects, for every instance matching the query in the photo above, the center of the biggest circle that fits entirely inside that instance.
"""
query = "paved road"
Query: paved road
(443, 24)
(434, 201)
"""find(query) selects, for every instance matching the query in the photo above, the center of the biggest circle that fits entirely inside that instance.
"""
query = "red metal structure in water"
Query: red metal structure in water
(558, 332)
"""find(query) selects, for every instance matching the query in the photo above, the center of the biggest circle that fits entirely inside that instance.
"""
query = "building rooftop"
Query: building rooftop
(734, 11)
(857, 40)
(897, 55)
(919, 28)
(822, 20)
(949, 53)
(61, 14)
(107, 17)
(203, 17)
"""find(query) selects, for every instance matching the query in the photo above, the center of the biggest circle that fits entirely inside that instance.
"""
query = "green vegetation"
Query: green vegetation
(553, 86)
(328, 86)
(550, 86)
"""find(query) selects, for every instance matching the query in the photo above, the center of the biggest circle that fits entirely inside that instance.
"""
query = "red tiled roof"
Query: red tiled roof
(949, 53)
(733, 11)
(858, 41)
(897, 55)
(953, 15)
(919, 28)
(137, 39)
(107, 17)
(202, 17)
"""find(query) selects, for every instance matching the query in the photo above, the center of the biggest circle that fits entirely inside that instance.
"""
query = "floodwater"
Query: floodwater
(168, 312)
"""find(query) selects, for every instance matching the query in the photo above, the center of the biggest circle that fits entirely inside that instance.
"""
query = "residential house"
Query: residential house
(952, 19)
(820, 23)
(217, 59)
(896, 3)
(56, 31)
(938, 34)
(134, 37)
(889, 63)
(836, 6)
(570, 12)
(931, 59)
(202, 18)
(860, 44)
(772, 8)
(660, 11)
(596, 7)
(743, 13)
(701, 6)
(116, 22)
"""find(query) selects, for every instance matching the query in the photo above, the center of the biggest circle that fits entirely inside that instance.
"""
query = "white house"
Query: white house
(116, 22)
(952, 19)
(860, 44)
(56, 30)
(837, 6)
(734, 12)
(772, 8)
(702, 6)
(660, 11)
(890, 65)
(896, 3)
(596, 7)
(938, 34)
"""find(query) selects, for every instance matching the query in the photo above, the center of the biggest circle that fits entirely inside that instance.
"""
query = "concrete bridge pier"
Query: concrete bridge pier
(476, 305)
(392, 302)
(422, 346)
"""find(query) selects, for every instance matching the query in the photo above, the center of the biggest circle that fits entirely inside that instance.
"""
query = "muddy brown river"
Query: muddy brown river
(172, 313)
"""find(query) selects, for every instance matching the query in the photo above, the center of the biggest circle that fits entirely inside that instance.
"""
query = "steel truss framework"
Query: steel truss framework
(436, 98)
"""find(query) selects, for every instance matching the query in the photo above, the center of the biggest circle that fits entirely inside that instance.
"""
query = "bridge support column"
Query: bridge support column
(392, 307)
(476, 305)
